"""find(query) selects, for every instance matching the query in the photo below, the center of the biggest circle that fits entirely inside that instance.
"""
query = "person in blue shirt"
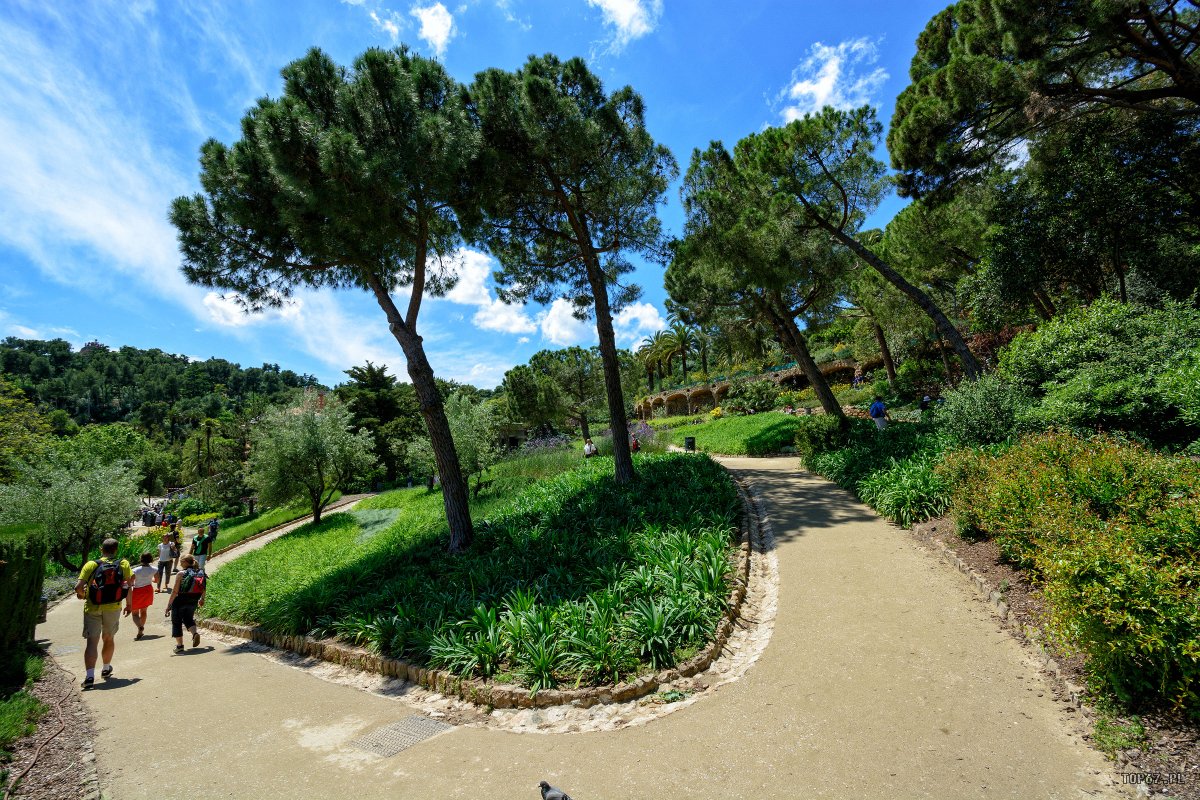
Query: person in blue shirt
(878, 412)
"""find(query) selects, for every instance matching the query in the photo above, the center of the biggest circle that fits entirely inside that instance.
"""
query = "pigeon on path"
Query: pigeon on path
(552, 792)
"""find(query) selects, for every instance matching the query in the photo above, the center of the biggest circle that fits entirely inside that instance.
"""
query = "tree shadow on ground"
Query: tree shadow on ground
(797, 501)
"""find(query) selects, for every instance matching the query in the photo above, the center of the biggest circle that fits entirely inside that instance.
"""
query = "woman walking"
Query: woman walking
(164, 564)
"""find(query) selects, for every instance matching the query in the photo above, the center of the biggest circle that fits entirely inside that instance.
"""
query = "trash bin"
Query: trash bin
(689, 443)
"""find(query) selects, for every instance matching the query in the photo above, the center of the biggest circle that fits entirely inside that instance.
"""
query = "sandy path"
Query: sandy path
(884, 678)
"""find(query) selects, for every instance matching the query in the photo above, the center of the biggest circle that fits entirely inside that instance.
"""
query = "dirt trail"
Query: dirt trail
(884, 678)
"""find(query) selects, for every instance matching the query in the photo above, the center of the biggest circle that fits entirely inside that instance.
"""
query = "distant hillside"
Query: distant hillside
(155, 390)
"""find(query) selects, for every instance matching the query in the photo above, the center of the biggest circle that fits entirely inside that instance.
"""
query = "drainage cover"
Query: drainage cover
(391, 739)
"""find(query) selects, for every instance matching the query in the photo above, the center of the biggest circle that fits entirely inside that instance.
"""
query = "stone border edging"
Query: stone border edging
(488, 694)
(1073, 692)
(342, 501)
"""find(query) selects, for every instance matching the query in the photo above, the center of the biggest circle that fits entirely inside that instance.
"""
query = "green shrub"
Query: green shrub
(1105, 367)
(915, 377)
(891, 470)
(820, 433)
(757, 396)
(1180, 385)
(982, 412)
(571, 579)
(1112, 532)
(187, 507)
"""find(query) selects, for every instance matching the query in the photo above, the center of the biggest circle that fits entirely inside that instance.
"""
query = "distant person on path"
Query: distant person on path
(202, 545)
(102, 585)
(186, 596)
(925, 403)
(141, 594)
(589, 449)
(212, 528)
(164, 563)
(878, 412)
(176, 546)
(634, 445)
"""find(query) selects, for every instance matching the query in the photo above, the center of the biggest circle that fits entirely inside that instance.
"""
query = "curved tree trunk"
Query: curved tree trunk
(429, 399)
(793, 339)
(944, 327)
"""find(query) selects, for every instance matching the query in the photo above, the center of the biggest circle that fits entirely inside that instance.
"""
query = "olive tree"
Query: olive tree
(307, 452)
(77, 501)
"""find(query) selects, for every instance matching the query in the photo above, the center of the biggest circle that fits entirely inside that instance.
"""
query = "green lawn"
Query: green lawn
(246, 527)
(754, 434)
(571, 578)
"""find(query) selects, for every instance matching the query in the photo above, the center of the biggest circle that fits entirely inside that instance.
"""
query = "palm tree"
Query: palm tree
(662, 350)
(682, 338)
(646, 357)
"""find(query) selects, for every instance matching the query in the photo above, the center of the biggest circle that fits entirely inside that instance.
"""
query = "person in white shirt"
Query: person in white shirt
(142, 596)
(166, 553)
(589, 449)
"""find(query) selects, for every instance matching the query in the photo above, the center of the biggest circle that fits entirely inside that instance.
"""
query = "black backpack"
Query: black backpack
(192, 582)
(107, 584)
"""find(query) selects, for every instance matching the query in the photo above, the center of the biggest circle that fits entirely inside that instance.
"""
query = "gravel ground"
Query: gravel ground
(1172, 752)
(66, 766)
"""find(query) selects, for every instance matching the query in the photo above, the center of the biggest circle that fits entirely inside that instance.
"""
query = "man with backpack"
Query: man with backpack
(102, 585)
(186, 597)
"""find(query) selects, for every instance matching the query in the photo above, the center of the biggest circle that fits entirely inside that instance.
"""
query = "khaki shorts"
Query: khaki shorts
(105, 622)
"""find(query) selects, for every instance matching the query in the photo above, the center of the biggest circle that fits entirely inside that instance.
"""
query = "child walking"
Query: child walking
(143, 593)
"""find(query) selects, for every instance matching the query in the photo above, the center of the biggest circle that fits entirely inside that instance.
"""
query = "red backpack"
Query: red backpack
(192, 582)
(107, 584)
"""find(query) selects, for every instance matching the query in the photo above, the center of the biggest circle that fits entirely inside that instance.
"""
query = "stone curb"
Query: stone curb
(1073, 692)
(491, 695)
(298, 520)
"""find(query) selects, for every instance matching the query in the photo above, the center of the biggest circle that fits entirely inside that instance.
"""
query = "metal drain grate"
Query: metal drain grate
(391, 739)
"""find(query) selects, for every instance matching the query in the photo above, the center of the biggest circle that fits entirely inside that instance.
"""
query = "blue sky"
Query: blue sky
(103, 107)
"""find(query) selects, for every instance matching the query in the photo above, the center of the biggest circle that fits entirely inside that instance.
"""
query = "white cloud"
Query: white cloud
(75, 175)
(340, 341)
(838, 76)
(559, 325)
(500, 316)
(523, 340)
(473, 269)
(225, 310)
(636, 321)
(437, 26)
(630, 19)
(390, 23)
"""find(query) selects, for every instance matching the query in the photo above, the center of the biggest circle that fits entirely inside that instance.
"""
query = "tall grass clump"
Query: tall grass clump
(571, 578)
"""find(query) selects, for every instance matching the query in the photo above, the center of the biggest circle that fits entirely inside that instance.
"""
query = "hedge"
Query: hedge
(22, 570)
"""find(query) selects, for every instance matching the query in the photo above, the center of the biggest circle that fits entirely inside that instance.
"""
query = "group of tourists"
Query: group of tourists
(111, 588)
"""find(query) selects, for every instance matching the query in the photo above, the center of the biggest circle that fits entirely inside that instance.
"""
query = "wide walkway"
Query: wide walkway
(884, 678)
